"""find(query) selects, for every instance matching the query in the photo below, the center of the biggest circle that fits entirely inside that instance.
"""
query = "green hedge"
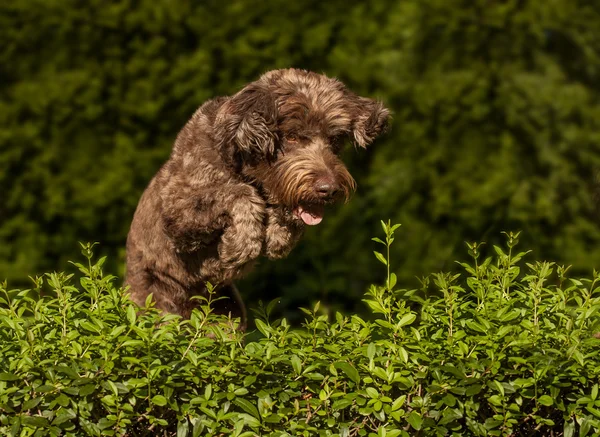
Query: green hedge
(506, 348)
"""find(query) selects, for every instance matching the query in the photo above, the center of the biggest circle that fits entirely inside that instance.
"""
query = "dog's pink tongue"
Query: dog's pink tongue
(312, 216)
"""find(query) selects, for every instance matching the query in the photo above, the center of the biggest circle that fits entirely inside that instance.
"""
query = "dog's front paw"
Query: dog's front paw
(242, 240)
(281, 234)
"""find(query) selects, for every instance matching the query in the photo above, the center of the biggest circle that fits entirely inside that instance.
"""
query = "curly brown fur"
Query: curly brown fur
(245, 176)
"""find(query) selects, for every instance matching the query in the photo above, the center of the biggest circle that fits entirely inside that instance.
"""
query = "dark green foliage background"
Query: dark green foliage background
(496, 125)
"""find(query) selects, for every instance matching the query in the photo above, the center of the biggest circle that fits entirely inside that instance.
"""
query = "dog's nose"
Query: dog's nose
(326, 189)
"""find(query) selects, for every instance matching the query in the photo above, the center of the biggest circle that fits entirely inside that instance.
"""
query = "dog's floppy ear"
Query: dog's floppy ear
(248, 121)
(370, 120)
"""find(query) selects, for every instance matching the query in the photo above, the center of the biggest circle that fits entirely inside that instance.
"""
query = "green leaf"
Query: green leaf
(546, 400)
(262, 327)
(495, 400)
(499, 386)
(131, 314)
(340, 404)
(34, 421)
(384, 226)
(87, 389)
(392, 284)
(349, 370)
(64, 416)
(476, 326)
(372, 393)
(249, 420)
(450, 415)
(247, 406)
(31, 403)
(89, 326)
(407, 319)
(159, 400)
(182, 428)
(371, 349)
(67, 371)
(380, 257)
(585, 426)
(569, 428)
(415, 420)
(46, 388)
(403, 354)
(9, 377)
(296, 364)
(397, 404)
(249, 380)
(136, 343)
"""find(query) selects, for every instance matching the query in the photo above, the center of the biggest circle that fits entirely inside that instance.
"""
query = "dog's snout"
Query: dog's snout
(326, 189)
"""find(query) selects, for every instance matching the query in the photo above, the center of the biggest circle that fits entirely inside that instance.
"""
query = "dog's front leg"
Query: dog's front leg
(229, 215)
(281, 234)
(191, 216)
(242, 240)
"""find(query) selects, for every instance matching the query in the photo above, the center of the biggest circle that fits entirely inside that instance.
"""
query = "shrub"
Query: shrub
(507, 348)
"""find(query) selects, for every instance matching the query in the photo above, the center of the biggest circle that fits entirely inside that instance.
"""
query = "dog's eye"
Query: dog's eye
(291, 138)
(336, 143)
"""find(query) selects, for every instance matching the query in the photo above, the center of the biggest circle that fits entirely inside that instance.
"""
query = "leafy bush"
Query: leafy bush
(507, 348)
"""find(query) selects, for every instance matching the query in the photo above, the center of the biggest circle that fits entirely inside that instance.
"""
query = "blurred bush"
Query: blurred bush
(496, 124)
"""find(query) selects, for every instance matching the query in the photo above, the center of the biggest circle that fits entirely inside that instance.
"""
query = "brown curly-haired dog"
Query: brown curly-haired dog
(245, 176)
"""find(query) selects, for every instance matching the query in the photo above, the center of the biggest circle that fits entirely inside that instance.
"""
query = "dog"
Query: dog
(246, 174)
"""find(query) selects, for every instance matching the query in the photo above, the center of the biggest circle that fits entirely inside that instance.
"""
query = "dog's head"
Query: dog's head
(285, 132)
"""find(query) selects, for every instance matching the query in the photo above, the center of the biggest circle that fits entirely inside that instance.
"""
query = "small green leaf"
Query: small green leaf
(371, 349)
(397, 404)
(159, 400)
(249, 380)
(340, 404)
(46, 388)
(546, 400)
(9, 377)
(585, 425)
(372, 393)
(34, 421)
(252, 422)
(495, 400)
(349, 370)
(131, 314)
(415, 420)
(380, 257)
(183, 428)
(247, 406)
(262, 327)
(392, 284)
(403, 354)
(31, 403)
(569, 428)
(499, 386)
(407, 319)
(296, 364)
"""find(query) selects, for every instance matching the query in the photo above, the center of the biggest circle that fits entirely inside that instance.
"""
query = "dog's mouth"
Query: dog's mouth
(310, 214)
